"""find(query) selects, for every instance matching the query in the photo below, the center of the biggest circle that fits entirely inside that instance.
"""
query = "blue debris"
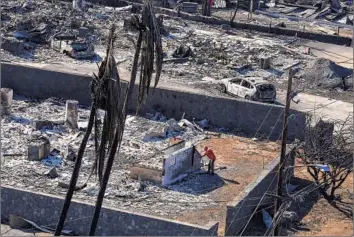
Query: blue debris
(323, 168)
(52, 161)
(268, 221)
(21, 120)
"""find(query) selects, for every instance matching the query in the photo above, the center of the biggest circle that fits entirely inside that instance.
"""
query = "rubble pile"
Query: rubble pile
(47, 31)
(327, 74)
(192, 50)
(339, 11)
(219, 55)
(32, 119)
(41, 27)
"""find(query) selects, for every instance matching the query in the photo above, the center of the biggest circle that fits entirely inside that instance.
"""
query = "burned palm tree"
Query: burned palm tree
(149, 46)
(107, 94)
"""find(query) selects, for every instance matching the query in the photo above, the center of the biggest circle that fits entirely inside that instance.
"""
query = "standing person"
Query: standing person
(211, 156)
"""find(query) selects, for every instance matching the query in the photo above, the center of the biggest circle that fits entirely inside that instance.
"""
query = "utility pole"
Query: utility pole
(283, 151)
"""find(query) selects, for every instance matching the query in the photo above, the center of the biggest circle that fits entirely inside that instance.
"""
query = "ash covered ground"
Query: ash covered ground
(215, 53)
(197, 199)
(122, 192)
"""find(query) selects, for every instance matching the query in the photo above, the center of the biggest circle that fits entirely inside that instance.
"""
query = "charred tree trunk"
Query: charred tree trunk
(76, 172)
(117, 139)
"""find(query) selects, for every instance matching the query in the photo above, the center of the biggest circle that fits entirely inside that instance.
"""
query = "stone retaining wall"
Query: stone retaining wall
(246, 116)
(44, 209)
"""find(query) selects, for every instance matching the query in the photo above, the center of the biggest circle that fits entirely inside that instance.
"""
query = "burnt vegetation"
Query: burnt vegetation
(107, 94)
(327, 153)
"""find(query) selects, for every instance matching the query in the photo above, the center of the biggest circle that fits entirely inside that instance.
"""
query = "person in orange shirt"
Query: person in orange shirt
(211, 156)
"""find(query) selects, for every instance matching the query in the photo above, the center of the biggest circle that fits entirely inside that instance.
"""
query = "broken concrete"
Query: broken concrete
(71, 115)
(146, 174)
(45, 124)
(264, 62)
(6, 100)
(38, 148)
(52, 173)
(13, 46)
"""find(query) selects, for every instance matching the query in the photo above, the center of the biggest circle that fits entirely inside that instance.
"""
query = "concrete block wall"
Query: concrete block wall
(40, 83)
(231, 113)
(181, 163)
(44, 209)
(240, 210)
(174, 148)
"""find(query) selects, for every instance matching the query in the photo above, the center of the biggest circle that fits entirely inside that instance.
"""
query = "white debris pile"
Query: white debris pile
(17, 171)
(214, 53)
(221, 55)
(30, 26)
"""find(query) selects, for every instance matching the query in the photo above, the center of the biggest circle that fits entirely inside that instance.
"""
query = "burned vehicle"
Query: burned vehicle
(250, 88)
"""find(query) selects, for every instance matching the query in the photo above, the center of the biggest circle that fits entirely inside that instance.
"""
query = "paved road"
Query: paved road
(342, 55)
(320, 106)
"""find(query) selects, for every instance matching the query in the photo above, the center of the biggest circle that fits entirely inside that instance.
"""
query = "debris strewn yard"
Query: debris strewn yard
(199, 193)
(164, 166)
(213, 53)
